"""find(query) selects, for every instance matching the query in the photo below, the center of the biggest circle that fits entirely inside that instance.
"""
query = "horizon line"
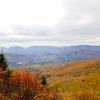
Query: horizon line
(49, 46)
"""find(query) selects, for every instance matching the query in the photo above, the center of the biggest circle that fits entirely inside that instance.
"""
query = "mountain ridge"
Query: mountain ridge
(50, 54)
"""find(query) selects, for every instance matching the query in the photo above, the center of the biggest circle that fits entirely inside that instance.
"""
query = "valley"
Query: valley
(72, 78)
(49, 54)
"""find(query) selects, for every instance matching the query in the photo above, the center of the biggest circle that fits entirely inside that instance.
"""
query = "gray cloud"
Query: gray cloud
(79, 24)
(39, 31)
(3, 34)
(81, 17)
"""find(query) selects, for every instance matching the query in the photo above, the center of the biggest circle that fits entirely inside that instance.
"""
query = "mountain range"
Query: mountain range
(49, 54)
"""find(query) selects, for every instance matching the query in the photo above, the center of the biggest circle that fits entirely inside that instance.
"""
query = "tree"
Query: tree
(44, 80)
(3, 62)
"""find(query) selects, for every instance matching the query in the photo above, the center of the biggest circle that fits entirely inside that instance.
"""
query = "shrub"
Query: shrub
(23, 85)
(9, 72)
(44, 80)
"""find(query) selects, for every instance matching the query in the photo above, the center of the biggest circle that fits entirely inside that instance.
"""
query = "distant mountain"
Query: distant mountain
(29, 51)
(49, 54)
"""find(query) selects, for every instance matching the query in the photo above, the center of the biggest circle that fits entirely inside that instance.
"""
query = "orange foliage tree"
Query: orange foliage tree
(23, 85)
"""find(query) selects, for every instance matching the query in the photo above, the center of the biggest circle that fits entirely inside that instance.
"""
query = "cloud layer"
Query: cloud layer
(50, 22)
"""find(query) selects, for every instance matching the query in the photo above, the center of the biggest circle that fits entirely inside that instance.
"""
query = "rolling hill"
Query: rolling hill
(49, 54)
(76, 79)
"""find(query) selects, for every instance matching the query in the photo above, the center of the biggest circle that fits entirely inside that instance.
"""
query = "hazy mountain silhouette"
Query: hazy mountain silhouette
(49, 54)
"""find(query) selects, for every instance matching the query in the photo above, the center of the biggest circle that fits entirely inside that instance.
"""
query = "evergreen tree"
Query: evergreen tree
(44, 80)
(3, 62)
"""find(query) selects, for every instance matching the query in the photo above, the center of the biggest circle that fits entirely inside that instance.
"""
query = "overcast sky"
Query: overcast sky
(49, 22)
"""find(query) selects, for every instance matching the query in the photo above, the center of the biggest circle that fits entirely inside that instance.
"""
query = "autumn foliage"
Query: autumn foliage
(23, 85)
(84, 84)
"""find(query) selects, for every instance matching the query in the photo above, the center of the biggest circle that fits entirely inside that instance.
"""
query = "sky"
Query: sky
(49, 22)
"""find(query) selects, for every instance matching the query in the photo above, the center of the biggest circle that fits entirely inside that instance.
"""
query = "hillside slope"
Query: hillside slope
(75, 77)
(73, 67)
